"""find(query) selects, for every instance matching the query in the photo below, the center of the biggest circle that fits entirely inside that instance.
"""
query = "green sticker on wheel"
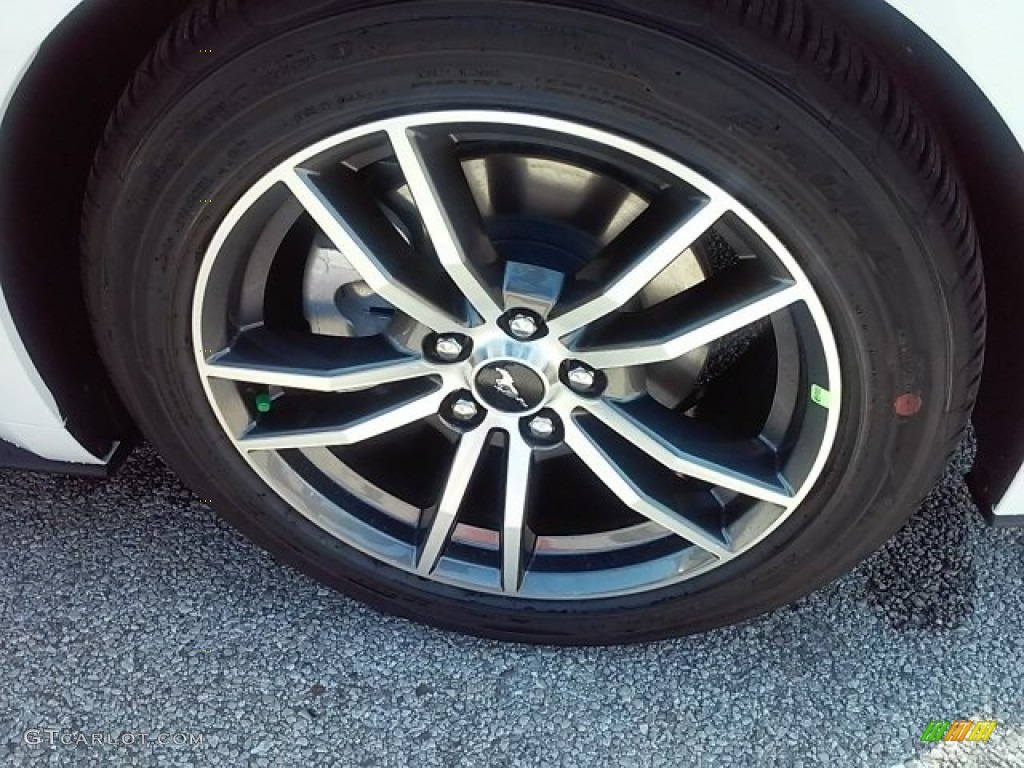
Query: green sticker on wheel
(821, 396)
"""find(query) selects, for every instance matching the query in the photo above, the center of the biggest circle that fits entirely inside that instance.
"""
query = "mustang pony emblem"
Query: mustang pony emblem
(507, 386)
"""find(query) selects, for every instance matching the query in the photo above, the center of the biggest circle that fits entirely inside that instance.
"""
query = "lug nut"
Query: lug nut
(542, 427)
(448, 348)
(465, 409)
(580, 379)
(523, 326)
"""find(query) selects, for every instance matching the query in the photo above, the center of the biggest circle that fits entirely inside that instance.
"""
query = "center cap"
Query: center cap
(506, 385)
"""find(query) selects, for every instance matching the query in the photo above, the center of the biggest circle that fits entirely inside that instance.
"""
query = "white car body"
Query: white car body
(985, 45)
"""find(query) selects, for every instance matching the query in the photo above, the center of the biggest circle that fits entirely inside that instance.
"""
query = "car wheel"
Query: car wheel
(555, 322)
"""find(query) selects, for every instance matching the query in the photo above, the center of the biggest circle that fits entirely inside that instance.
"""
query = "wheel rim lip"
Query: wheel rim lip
(300, 499)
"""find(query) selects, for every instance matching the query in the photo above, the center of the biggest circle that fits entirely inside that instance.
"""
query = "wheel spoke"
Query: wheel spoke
(721, 305)
(515, 538)
(464, 463)
(314, 363)
(531, 287)
(620, 483)
(375, 249)
(669, 227)
(747, 467)
(359, 416)
(449, 212)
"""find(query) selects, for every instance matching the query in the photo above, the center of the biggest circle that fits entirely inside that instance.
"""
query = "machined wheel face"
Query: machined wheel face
(516, 354)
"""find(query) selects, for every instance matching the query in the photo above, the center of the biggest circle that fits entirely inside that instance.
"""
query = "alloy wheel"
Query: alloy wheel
(516, 354)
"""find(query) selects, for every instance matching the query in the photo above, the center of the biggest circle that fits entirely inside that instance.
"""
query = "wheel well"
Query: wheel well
(49, 134)
(57, 116)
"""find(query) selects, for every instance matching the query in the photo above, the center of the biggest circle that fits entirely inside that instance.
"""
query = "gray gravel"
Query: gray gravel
(128, 607)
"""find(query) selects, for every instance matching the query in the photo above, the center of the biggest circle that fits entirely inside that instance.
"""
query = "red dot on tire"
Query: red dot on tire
(908, 404)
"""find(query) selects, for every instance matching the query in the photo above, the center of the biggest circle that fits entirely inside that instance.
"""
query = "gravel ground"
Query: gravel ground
(129, 608)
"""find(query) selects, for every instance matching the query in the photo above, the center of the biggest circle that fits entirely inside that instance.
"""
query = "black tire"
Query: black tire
(786, 110)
